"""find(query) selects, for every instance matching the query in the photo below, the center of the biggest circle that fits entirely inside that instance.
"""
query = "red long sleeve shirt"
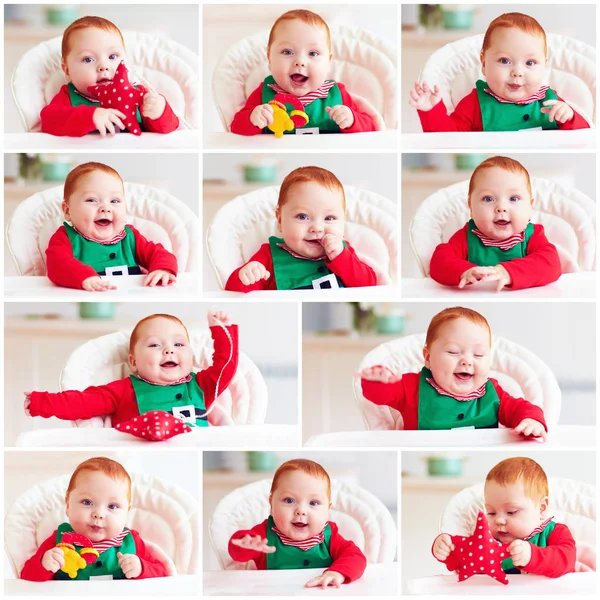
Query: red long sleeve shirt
(467, 117)
(241, 122)
(541, 266)
(117, 398)
(347, 558)
(33, 570)
(66, 271)
(61, 118)
(347, 266)
(403, 395)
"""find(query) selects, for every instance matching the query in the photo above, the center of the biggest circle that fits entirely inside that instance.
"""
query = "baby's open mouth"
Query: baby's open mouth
(299, 525)
(298, 78)
(103, 222)
(514, 86)
(502, 222)
(314, 242)
(103, 80)
(463, 376)
(169, 364)
(96, 528)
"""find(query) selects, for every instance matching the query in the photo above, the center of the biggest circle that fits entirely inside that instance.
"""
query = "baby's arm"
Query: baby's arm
(165, 122)
(575, 122)
(557, 559)
(513, 411)
(33, 569)
(151, 566)
(241, 123)
(363, 121)
(449, 260)
(444, 550)
(466, 116)
(348, 560)
(351, 270)
(154, 257)
(381, 386)
(263, 256)
(61, 118)
(253, 547)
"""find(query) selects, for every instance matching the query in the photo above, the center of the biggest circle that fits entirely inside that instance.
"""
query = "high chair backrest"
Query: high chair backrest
(156, 214)
(244, 224)
(360, 517)
(364, 63)
(162, 513)
(568, 217)
(105, 359)
(167, 66)
(571, 71)
(518, 370)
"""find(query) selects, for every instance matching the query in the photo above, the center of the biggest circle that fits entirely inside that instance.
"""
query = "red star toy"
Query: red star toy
(156, 425)
(120, 94)
(480, 554)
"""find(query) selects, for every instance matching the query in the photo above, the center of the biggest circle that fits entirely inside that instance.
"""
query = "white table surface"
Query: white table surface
(569, 285)
(377, 580)
(359, 294)
(501, 140)
(561, 436)
(230, 436)
(525, 585)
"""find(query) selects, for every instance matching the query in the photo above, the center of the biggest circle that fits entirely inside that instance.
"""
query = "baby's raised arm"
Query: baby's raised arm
(422, 97)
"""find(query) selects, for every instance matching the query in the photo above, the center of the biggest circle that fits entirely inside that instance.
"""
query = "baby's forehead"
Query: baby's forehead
(161, 326)
(515, 33)
(298, 25)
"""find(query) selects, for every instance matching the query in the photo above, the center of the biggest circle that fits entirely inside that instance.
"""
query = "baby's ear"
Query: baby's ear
(278, 217)
(426, 355)
(482, 60)
(65, 69)
(65, 209)
(131, 360)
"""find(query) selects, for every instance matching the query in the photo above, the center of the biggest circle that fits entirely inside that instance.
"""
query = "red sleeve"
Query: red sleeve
(63, 268)
(241, 122)
(351, 270)
(207, 379)
(452, 561)
(166, 123)
(347, 556)
(541, 266)
(362, 121)
(264, 257)
(449, 260)
(61, 118)
(577, 122)
(466, 116)
(153, 256)
(241, 554)
(32, 569)
(557, 558)
(151, 566)
(513, 410)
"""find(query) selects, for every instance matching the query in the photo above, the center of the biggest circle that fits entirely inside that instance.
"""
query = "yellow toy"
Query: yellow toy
(73, 562)
(281, 120)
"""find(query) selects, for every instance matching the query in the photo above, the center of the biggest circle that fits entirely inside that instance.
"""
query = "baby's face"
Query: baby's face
(98, 505)
(514, 64)
(459, 357)
(310, 212)
(300, 505)
(500, 203)
(162, 354)
(299, 57)
(96, 208)
(510, 513)
(93, 58)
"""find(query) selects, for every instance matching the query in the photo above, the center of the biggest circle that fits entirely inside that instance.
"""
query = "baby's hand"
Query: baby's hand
(477, 274)
(520, 552)
(27, 403)
(328, 578)
(379, 373)
(153, 105)
(262, 115)
(105, 120)
(342, 115)
(130, 564)
(97, 284)
(159, 277)
(531, 427)
(332, 244)
(555, 109)
(423, 98)
(442, 546)
(53, 560)
(218, 317)
(254, 542)
(252, 272)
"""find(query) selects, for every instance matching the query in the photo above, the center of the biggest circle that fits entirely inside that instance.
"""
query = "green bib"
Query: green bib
(489, 256)
(293, 273)
(290, 557)
(505, 116)
(184, 400)
(106, 564)
(317, 115)
(437, 411)
(539, 539)
(105, 256)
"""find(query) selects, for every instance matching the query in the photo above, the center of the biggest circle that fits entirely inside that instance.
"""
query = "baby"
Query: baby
(298, 533)
(98, 242)
(299, 55)
(312, 252)
(513, 61)
(92, 49)
(499, 243)
(98, 501)
(161, 359)
(516, 500)
(453, 390)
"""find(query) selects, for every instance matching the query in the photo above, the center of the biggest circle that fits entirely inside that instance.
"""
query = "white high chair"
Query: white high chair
(518, 370)
(170, 68)
(365, 64)
(165, 516)
(571, 71)
(360, 517)
(156, 214)
(242, 225)
(568, 217)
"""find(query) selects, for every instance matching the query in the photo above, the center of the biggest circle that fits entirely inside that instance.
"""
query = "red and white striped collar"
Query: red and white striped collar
(104, 545)
(478, 393)
(307, 544)
(539, 528)
(182, 380)
(541, 93)
(506, 244)
(89, 98)
(296, 255)
(110, 242)
(321, 92)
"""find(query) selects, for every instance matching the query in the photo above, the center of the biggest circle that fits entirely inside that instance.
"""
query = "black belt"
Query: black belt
(199, 413)
(130, 271)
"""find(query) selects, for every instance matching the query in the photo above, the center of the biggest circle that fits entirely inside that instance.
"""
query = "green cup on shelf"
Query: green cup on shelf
(97, 310)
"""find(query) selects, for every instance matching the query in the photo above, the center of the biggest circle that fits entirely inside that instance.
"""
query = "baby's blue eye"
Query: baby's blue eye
(86, 502)
(113, 56)
(488, 199)
(286, 52)
(314, 503)
(330, 218)
(152, 345)
(87, 59)
(113, 506)
(313, 53)
(302, 217)
(531, 63)
(504, 61)
(90, 199)
(179, 345)
(288, 500)
(514, 198)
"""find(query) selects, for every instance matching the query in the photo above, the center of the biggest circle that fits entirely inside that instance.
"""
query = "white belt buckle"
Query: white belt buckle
(120, 270)
(101, 577)
(327, 282)
(467, 427)
(179, 413)
(307, 131)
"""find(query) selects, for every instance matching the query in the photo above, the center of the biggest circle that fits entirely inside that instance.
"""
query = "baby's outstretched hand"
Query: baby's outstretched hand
(159, 277)
(153, 105)
(105, 119)
(252, 272)
(442, 546)
(53, 560)
(520, 552)
(379, 373)
(557, 110)
(342, 115)
(254, 542)
(332, 244)
(27, 403)
(531, 427)
(262, 115)
(218, 317)
(130, 564)
(97, 284)
(423, 98)
(328, 578)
